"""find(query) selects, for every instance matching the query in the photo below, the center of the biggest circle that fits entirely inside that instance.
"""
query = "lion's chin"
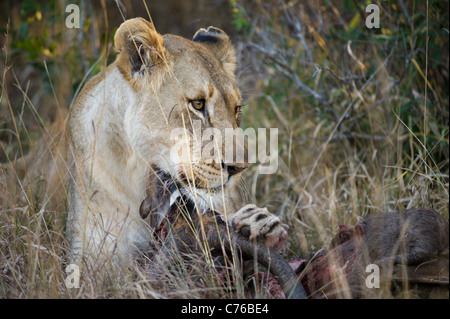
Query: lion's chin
(206, 198)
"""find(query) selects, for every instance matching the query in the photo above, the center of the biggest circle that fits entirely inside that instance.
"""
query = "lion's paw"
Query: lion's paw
(258, 223)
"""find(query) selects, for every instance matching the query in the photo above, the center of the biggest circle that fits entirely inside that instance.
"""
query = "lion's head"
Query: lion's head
(184, 88)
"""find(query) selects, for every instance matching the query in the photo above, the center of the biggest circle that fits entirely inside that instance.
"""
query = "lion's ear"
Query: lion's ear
(139, 46)
(218, 42)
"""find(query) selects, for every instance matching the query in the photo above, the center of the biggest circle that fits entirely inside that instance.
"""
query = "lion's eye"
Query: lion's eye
(198, 104)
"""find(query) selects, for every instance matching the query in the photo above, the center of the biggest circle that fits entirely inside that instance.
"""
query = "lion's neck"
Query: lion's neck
(104, 116)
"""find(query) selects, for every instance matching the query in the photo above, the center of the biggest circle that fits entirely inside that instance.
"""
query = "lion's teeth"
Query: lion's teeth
(174, 197)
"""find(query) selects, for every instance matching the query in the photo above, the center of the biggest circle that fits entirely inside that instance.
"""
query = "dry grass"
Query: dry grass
(347, 147)
(363, 128)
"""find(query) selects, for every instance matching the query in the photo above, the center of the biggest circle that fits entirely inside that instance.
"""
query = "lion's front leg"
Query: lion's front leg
(258, 223)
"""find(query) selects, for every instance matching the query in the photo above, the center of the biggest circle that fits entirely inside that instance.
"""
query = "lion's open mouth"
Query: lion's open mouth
(170, 196)
(170, 199)
(201, 183)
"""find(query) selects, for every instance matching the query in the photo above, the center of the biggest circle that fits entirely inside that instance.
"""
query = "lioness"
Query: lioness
(120, 128)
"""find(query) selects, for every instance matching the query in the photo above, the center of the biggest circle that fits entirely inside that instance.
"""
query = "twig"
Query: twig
(298, 31)
(288, 71)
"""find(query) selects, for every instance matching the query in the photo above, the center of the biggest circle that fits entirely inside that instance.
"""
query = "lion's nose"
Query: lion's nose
(233, 169)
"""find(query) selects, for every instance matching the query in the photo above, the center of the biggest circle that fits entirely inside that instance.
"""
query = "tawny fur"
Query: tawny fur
(119, 130)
